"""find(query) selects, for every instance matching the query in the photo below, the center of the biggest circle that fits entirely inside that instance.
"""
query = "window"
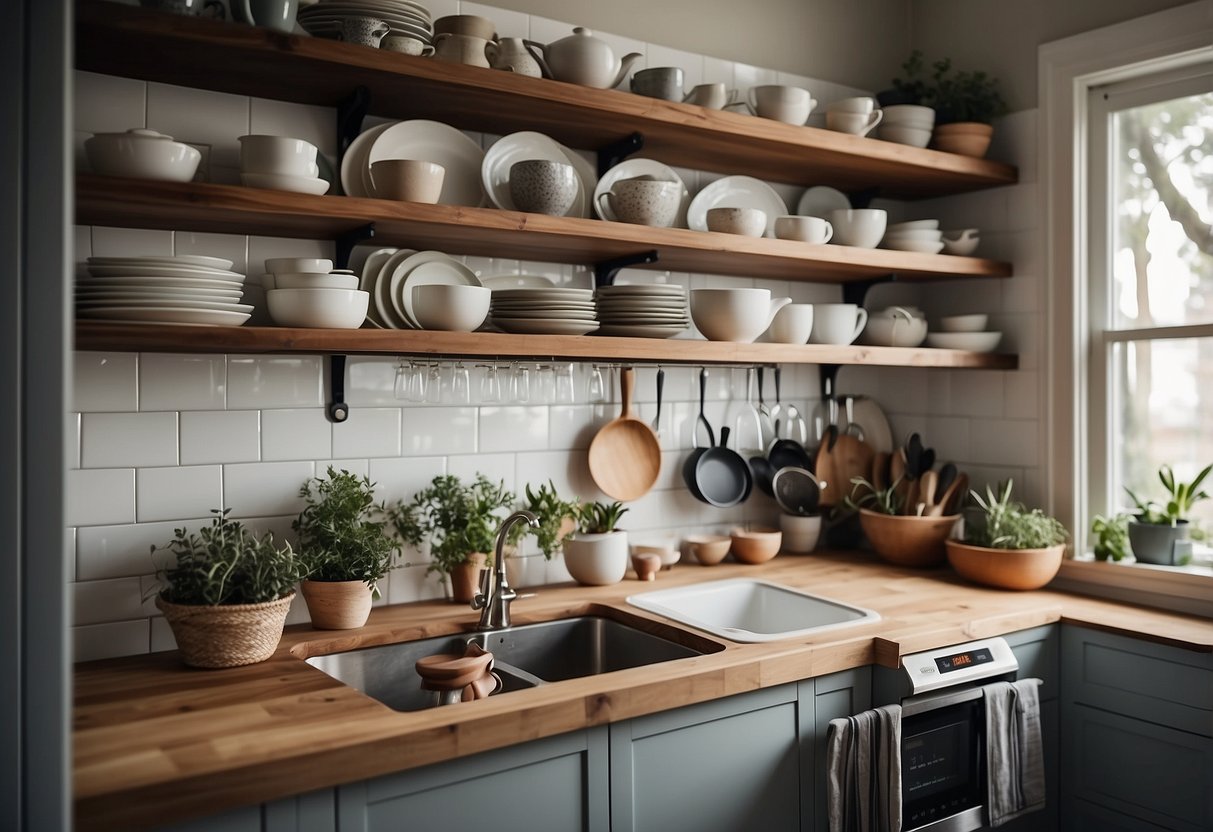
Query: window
(1150, 286)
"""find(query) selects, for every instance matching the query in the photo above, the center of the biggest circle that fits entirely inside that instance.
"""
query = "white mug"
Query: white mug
(805, 229)
(863, 105)
(791, 105)
(837, 323)
(859, 227)
(279, 155)
(792, 325)
(856, 124)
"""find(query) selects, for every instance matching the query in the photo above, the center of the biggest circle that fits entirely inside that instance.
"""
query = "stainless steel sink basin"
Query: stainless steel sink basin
(524, 656)
(748, 610)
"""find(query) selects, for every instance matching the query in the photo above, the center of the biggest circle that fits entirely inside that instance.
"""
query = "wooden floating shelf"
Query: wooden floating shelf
(118, 337)
(246, 60)
(488, 232)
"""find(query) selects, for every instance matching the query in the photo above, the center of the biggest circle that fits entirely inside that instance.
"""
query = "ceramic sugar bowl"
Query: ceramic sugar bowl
(512, 55)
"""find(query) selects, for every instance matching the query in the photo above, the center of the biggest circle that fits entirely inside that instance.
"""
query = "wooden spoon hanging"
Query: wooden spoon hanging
(625, 456)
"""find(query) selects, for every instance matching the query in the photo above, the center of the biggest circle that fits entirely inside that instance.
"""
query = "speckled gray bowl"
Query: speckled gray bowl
(643, 202)
(538, 186)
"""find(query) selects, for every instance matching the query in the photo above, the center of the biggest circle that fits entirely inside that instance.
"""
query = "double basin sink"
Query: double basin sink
(531, 655)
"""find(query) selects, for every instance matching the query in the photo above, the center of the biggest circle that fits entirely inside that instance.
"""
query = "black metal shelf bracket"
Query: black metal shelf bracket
(829, 379)
(604, 272)
(338, 411)
(351, 110)
(616, 152)
(856, 292)
(349, 239)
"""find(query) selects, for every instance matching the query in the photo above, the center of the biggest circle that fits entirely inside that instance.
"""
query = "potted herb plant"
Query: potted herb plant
(227, 592)
(557, 519)
(460, 522)
(966, 103)
(1155, 530)
(597, 553)
(1008, 545)
(903, 539)
(1111, 537)
(344, 543)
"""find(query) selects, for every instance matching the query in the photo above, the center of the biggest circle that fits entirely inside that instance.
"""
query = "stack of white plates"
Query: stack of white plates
(186, 289)
(648, 311)
(428, 141)
(390, 276)
(406, 18)
(544, 311)
(922, 236)
(521, 147)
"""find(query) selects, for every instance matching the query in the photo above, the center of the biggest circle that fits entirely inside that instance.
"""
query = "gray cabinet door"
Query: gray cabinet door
(311, 812)
(721, 766)
(1038, 652)
(834, 696)
(1047, 819)
(558, 784)
(1081, 816)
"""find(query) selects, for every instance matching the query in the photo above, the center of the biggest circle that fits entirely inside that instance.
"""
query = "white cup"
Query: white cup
(805, 229)
(298, 265)
(749, 222)
(792, 325)
(712, 96)
(857, 124)
(800, 534)
(279, 155)
(859, 227)
(837, 323)
(791, 105)
(407, 180)
(863, 105)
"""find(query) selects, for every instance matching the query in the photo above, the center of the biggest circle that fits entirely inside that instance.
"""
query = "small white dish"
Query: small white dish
(174, 261)
(975, 322)
(298, 265)
(918, 246)
(282, 182)
(165, 315)
(312, 281)
(970, 341)
(914, 225)
(961, 243)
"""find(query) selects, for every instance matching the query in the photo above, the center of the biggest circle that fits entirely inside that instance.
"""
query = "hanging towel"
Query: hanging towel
(863, 762)
(1015, 771)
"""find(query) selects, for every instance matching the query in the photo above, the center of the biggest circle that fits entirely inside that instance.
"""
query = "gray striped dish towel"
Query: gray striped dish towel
(1015, 770)
(863, 764)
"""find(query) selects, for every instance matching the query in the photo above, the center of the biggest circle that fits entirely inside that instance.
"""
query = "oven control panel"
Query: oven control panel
(959, 664)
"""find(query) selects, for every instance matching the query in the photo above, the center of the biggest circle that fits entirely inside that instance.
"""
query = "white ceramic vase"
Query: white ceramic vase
(597, 559)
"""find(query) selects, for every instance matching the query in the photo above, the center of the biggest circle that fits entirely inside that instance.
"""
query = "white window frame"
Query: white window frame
(1068, 69)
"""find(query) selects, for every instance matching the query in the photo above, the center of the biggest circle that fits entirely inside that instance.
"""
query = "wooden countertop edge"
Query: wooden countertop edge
(288, 728)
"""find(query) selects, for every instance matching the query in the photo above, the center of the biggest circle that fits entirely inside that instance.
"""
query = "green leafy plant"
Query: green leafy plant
(914, 87)
(599, 518)
(881, 500)
(457, 519)
(1010, 525)
(342, 533)
(1181, 497)
(965, 96)
(552, 511)
(1111, 537)
(225, 563)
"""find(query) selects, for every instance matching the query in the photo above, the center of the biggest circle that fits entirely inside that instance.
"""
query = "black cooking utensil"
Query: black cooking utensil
(722, 475)
(914, 457)
(703, 419)
(796, 490)
(660, 388)
(763, 473)
(947, 475)
(788, 453)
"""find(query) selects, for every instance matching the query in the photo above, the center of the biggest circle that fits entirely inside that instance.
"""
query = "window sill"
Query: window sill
(1187, 589)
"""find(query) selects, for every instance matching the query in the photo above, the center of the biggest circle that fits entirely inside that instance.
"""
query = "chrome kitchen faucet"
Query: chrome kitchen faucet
(495, 595)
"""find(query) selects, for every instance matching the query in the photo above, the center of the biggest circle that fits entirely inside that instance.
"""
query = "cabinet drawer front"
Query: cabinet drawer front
(1137, 768)
(1153, 682)
(1081, 816)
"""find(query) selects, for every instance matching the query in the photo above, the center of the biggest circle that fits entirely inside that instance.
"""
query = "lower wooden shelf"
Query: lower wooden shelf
(119, 337)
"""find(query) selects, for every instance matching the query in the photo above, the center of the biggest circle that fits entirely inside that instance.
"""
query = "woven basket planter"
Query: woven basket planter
(226, 635)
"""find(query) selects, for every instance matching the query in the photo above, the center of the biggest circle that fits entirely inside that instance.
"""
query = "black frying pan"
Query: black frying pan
(788, 453)
(722, 475)
(689, 466)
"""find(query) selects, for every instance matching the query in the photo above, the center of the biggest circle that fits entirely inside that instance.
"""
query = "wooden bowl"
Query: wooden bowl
(708, 549)
(907, 541)
(1006, 568)
(755, 546)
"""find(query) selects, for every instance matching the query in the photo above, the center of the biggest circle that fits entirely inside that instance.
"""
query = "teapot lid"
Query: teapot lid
(137, 133)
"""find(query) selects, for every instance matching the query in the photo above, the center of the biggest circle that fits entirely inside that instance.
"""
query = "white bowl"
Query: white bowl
(667, 550)
(800, 533)
(282, 155)
(894, 331)
(919, 246)
(971, 341)
(142, 154)
(929, 235)
(913, 225)
(314, 281)
(281, 182)
(860, 227)
(451, 308)
(318, 308)
(901, 134)
(297, 265)
(739, 315)
(909, 115)
(964, 323)
(749, 222)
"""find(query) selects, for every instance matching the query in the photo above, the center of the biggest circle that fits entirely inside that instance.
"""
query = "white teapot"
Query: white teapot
(584, 59)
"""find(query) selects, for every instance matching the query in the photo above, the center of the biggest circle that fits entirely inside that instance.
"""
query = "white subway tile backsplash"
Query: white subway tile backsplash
(370, 381)
(107, 641)
(232, 247)
(168, 381)
(509, 24)
(978, 393)
(199, 116)
(107, 103)
(100, 496)
(105, 381)
(269, 381)
(130, 242)
(431, 431)
(262, 248)
(411, 583)
(173, 493)
(119, 551)
(513, 429)
(569, 473)
(261, 489)
(303, 433)
(400, 479)
(96, 602)
(497, 467)
(1007, 442)
(368, 432)
(111, 440)
(220, 436)
(572, 427)
(1021, 397)
(298, 121)
(162, 636)
(357, 467)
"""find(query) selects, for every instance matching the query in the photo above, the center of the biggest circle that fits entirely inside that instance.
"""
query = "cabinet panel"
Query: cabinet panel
(1046, 820)
(1081, 816)
(726, 765)
(835, 696)
(1038, 653)
(311, 812)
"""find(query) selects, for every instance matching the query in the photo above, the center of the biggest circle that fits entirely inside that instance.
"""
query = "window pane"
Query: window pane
(1162, 246)
(1162, 413)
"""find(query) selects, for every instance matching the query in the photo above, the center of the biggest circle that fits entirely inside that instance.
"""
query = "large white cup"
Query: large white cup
(863, 105)
(859, 227)
(805, 229)
(279, 155)
(739, 315)
(791, 105)
(837, 323)
(792, 325)
(857, 124)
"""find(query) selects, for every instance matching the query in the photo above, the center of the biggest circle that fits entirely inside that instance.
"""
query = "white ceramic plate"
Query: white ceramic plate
(543, 294)
(370, 274)
(158, 282)
(400, 6)
(546, 314)
(160, 303)
(165, 315)
(516, 281)
(521, 147)
(215, 263)
(324, 25)
(820, 201)
(432, 141)
(526, 307)
(295, 184)
(168, 272)
(639, 331)
(143, 294)
(381, 297)
(418, 269)
(632, 168)
(913, 225)
(671, 289)
(526, 326)
(354, 163)
(736, 192)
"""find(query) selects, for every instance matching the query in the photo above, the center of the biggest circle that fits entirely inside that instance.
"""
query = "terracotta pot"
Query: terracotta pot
(337, 605)
(1006, 568)
(906, 540)
(465, 578)
(227, 635)
(968, 138)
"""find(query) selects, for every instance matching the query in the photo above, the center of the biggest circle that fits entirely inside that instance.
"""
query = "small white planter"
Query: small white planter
(800, 533)
(597, 559)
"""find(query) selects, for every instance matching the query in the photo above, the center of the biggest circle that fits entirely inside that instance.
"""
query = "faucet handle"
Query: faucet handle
(481, 599)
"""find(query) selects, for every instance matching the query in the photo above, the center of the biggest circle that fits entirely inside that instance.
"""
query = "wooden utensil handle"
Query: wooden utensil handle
(627, 380)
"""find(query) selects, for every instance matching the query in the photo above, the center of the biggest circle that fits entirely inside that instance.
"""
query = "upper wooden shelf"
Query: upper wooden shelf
(250, 339)
(489, 232)
(245, 60)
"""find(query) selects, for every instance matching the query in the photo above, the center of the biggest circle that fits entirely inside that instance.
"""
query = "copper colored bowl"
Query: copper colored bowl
(754, 546)
(1006, 568)
(907, 540)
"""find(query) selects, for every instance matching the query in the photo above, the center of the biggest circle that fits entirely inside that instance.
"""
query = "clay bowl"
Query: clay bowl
(708, 549)
(907, 541)
(755, 546)
(1006, 568)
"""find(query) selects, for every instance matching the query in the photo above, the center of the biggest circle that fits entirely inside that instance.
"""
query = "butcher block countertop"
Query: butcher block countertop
(155, 741)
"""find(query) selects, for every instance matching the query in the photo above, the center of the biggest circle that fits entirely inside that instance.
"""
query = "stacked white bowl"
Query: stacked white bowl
(280, 163)
(309, 292)
(907, 124)
(964, 332)
(922, 236)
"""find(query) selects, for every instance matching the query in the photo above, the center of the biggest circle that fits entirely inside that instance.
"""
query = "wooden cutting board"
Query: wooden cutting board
(851, 458)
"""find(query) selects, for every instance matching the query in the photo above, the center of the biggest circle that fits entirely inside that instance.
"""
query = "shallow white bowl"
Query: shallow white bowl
(929, 235)
(297, 265)
(918, 246)
(909, 115)
(912, 225)
(281, 182)
(971, 341)
(964, 323)
(142, 154)
(913, 136)
(318, 308)
(314, 281)
(449, 308)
